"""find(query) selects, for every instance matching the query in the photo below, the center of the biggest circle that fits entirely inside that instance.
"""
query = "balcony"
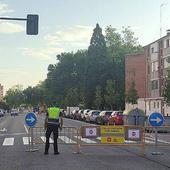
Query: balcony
(166, 51)
(154, 75)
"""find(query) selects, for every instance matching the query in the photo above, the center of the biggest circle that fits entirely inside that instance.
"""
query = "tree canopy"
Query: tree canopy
(90, 78)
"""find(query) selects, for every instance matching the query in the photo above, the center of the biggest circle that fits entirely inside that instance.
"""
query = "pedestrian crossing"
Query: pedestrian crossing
(10, 141)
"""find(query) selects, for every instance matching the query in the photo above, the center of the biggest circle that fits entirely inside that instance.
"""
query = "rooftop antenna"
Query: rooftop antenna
(161, 19)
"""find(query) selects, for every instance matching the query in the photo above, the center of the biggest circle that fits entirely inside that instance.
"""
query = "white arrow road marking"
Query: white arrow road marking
(8, 142)
(157, 120)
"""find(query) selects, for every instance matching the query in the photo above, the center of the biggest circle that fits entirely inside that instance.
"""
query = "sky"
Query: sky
(66, 26)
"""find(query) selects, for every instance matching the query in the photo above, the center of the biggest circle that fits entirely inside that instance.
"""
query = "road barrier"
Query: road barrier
(118, 136)
(36, 135)
(93, 135)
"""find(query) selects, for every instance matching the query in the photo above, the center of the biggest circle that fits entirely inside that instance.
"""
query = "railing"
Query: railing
(116, 136)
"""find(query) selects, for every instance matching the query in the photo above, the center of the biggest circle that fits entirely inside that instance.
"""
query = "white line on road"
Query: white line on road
(44, 139)
(86, 140)
(66, 139)
(3, 130)
(25, 140)
(26, 129)
(8, 142)
(12, 134)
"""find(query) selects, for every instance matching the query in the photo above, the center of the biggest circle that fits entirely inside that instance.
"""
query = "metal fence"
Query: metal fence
(132, 136)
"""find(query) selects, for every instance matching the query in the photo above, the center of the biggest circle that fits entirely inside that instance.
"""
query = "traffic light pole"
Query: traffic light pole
(32, 23)
(19, 19)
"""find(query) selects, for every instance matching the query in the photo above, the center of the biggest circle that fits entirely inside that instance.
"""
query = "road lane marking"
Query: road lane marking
(25, 140)
(44, 139)
(26, 129)
(3, 130)
(130, 141)
(8, 142)
(66, 139)
(13, 134)
(162, 141)
(86, 140)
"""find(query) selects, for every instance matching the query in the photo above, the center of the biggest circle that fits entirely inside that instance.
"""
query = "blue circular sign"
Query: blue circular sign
(156, 119)
(30, 119)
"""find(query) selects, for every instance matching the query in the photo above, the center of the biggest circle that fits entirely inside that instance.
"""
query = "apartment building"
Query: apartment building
(155, 66)
(1, 92)
(158, 61)
(135, 65)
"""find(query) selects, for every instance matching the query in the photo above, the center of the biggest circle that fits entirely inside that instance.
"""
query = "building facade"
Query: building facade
(135, 65)
(158, 61)
(1, 92)
(156, 66)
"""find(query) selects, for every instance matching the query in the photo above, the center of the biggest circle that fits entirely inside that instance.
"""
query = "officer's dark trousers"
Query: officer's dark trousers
(51, 128)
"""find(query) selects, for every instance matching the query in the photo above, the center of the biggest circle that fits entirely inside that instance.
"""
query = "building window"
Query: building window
(154, 105)
(158, 105)
(154, 84)
(160, 44)
(167, 43)
(152, 50)
(154, 66)
(161, 52)
(166, 62)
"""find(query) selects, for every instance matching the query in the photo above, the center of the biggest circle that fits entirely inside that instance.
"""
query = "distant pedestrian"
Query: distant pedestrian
(53, 121)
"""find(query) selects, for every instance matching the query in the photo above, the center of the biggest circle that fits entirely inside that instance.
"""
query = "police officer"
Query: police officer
(53, 121)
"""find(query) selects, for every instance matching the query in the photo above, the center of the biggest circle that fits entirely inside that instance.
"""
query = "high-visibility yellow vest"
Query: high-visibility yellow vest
(53, 113)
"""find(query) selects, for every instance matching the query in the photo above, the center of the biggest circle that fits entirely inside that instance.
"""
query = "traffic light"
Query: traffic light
(32, 24)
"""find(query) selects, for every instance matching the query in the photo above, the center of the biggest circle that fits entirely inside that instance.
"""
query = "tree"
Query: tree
(97, 63)
(14, 96)
(166, 91)
(72, 97)
(98, 97)
(132, 95)
(118, 45)
(110, 96)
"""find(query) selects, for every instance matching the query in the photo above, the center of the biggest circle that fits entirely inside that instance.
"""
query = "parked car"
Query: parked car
(1, 113)
(76, 115)
(103, 117)
(92, 115)
(116, 118)
(14, 112)
(85, 114)
(80, 114)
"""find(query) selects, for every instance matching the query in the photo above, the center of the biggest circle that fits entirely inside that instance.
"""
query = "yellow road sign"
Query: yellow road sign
(112, 139)
(111, 130)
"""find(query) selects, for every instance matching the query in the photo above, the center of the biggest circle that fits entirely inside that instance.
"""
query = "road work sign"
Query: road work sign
(112, 130)
(112, 139)
(90, 131)
(30, 119)
(156, 119)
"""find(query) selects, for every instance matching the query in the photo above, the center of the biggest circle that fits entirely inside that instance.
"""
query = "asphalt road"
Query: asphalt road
(13, 155)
